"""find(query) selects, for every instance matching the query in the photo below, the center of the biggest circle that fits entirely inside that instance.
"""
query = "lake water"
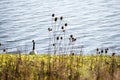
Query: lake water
(95, 23)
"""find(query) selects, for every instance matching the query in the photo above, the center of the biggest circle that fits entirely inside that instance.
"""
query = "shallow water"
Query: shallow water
(95, 23)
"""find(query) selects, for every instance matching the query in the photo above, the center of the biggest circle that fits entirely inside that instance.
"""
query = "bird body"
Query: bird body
(33, 52)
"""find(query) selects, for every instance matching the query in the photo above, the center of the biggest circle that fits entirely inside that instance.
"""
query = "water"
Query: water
(95, 23)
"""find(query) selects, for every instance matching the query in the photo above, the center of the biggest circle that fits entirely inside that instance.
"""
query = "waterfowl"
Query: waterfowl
(0, 44)
(33, 50)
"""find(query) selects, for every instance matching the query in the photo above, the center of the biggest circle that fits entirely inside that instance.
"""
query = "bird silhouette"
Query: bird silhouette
(33, 50)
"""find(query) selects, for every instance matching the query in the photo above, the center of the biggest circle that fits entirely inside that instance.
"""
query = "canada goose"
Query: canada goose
(0, 44)
(33, 50)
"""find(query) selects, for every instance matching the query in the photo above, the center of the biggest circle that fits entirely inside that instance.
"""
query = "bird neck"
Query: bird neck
(33, 45)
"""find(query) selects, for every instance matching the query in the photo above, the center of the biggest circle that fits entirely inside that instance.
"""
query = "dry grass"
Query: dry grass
(46, 67)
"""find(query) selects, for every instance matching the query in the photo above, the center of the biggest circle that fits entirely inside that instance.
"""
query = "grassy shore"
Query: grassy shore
(71, 67)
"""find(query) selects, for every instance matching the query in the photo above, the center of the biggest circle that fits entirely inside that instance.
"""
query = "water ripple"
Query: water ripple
(95, 23)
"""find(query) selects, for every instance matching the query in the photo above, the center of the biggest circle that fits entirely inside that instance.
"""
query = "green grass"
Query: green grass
(46, 67)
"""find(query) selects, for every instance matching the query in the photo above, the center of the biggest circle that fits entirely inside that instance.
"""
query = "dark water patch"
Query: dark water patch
(114, 15)
(1, 23)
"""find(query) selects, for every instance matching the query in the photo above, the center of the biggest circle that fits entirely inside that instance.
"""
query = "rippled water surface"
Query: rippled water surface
(95, 23)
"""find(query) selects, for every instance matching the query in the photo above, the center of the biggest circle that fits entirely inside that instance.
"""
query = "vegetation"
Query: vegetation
(57, 66)
(54, 67)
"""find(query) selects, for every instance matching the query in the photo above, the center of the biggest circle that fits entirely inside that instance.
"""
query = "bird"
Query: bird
(0, 44)
(33, 50)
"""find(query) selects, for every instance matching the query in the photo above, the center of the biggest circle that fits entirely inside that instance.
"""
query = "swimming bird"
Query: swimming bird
(33, 50)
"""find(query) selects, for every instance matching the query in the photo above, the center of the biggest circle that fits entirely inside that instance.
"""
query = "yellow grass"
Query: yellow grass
(46, 67)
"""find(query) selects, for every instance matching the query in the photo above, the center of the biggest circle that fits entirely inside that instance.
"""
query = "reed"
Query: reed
(37, 67)
(58, 31)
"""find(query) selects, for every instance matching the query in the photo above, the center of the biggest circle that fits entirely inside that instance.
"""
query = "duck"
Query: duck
(33, 50)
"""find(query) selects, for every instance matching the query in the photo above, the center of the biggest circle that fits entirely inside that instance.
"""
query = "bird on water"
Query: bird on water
(33, 50)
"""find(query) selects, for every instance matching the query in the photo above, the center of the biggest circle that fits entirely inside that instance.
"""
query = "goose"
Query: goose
(33, 50)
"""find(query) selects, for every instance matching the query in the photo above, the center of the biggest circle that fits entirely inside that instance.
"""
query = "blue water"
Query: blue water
(95, 23)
